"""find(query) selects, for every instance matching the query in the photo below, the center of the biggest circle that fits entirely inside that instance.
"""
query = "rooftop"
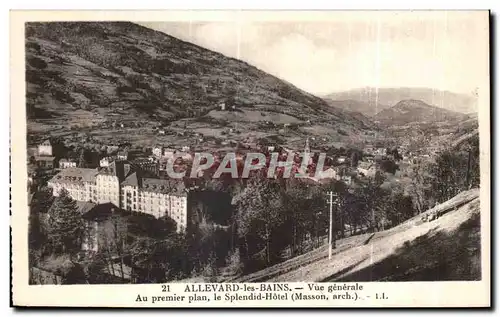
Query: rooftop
(45, 158)
(166, 186)
(118, 169)
(102, 212)
(131, 180)
(365, 165)
(163, 185)
(75, 175)
(46, 142)
(84, 206)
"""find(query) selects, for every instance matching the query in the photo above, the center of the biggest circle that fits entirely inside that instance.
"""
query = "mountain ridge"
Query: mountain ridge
(371, 100)
(78, 72)
(416, 111)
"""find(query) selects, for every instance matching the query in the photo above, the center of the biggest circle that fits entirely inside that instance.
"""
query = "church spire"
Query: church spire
(307, 149)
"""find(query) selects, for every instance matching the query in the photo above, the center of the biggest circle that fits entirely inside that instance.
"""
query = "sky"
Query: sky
(349, 50)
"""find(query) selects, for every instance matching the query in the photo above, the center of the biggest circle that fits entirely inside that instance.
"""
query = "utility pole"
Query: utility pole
(331, 242)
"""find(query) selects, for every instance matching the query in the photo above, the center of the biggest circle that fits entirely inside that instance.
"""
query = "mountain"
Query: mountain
(84, 74)
(359, 106)
(416, 111)
(370, 101)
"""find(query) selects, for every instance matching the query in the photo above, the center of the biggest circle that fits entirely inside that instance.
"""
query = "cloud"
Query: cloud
(437, 50)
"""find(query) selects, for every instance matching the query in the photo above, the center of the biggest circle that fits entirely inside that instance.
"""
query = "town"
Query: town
(152, 160)
(140, 182)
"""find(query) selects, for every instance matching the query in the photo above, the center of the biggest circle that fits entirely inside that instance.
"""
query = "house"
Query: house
(329, 173)
(122, 155)
(112, 149)
(347, 179)
(161, 132)
(379, 151)
(105, 223)
(45, 148)
(185, 148)
(369, 150)
(222, 106)
(105, 161)
(168, 153)
(369, 159)
(157, 151)
(367, 169)
(45, 161)
(65, 163)
(341, 159)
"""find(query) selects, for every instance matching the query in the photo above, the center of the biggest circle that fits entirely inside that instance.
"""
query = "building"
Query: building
(147, 165)
(157, 197)
(222, 106)
(157, 151)
(107, 182)
(79, 182)
(367, 169)
(126, 188)
(306, 153)
(65, 163)
(341, 159)
(99, 185)
(369, 159)
(168, 153)
(347, 179)
(45, 148)
(379, 151)
(329, 173)
(122, 155)
(105, 161)
(45, 161)
(102, 229)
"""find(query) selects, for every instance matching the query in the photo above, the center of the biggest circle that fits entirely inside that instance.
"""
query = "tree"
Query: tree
(259, 216)
(296, 205)
(37, 237)
(160, 260)
(450, 171)
(113, 241)
(389, 166)
(355, 157)
(65, 225)
(420, 188)
(81, 161)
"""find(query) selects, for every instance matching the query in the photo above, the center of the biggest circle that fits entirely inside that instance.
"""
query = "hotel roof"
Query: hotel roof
(166, 186)
(45, 158)
(75, 175)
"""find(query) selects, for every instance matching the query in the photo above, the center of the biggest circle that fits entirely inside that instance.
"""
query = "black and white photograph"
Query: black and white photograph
(339, 150)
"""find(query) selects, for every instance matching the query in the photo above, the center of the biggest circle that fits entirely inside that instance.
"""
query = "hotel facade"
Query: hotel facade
(120, 185)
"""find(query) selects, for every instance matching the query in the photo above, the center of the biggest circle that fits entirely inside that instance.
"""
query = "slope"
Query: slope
(81, 74)
(416, 111)
(447, 248)
(370, 100)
